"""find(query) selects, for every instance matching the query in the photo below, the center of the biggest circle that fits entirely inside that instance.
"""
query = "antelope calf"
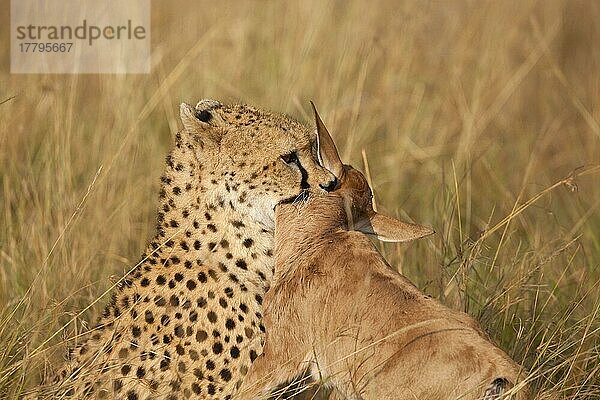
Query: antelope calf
(338, 314)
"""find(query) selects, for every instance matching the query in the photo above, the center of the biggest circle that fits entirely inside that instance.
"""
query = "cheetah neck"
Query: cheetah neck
(194, 228)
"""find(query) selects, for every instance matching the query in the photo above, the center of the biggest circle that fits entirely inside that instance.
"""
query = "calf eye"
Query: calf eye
(290, 158)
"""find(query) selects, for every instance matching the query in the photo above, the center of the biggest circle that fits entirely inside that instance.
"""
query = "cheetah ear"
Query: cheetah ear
(328, 154)
(196, 124)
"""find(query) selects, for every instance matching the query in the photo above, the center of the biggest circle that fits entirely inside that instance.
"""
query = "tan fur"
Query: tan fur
(338, 312)
(187, 321)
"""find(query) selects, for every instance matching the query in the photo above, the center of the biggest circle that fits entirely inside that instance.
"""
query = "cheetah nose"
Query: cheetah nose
(329, 186)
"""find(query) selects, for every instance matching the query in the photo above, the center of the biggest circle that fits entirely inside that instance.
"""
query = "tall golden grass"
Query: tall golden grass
(481, 119)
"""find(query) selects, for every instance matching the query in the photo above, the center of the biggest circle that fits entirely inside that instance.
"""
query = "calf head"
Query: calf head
(357, 197)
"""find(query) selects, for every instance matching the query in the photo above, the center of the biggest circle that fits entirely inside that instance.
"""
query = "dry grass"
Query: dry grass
(478, 118)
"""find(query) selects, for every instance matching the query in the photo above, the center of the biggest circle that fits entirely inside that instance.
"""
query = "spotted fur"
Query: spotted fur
(186, 322)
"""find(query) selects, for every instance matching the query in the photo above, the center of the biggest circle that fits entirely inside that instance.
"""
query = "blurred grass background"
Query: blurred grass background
(478, 118)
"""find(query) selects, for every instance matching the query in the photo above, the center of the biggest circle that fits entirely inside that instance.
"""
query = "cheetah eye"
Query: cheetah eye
(290, 158)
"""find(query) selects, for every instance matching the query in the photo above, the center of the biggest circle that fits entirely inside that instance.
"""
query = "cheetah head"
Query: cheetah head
(252, 159)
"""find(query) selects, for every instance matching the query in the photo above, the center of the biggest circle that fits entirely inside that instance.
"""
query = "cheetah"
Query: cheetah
(186, 322)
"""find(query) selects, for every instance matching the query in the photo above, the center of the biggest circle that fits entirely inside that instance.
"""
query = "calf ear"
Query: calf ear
(328, 154)
(388, 229)
(197, 126)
